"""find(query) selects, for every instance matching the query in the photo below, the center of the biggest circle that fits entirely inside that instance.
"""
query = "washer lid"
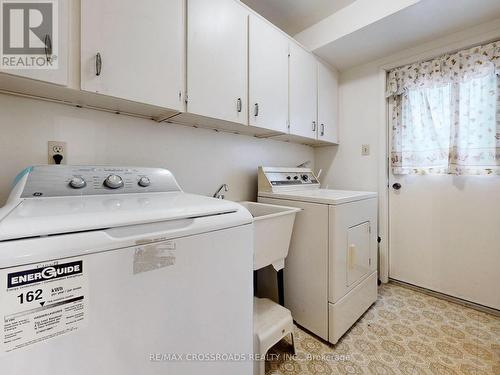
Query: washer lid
(58, 215)
(324, 196)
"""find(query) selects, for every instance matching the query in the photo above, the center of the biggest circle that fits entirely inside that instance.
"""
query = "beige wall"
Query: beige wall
(343, 166)
(200, 159)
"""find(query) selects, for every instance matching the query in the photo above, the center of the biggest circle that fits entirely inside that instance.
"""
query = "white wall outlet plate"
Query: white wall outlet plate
(365, 150)
(57, 148)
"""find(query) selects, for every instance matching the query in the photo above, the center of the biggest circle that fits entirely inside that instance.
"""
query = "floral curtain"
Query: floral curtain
(446, 114)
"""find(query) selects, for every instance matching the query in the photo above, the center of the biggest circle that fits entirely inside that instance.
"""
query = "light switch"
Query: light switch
(365, 150)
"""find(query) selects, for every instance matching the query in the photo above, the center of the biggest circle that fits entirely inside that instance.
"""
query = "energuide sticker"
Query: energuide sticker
(42, 301)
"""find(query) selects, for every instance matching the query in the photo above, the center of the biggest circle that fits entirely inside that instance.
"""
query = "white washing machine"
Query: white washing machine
(110, 270)
(330, 275)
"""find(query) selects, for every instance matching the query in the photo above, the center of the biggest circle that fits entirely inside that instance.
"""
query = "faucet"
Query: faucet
(218, 194)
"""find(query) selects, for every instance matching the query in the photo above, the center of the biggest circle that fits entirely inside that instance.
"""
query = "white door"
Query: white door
(327, 104)
(217, 59)
(303, 92)
(268, 76)
(444, 234)
(134, 50)
(59, 75)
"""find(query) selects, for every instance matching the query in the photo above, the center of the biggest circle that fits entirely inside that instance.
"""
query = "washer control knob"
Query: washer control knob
(144, 182)
(295, 177)
(77, 183)
(113, 181)
(288, 178)
(305, 177)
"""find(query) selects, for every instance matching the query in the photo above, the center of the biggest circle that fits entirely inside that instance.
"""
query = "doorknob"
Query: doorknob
(396, 186)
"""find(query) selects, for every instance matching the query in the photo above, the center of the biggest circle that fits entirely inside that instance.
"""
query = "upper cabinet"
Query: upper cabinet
(213, 64)
(56, 50)
(268, 76)
(217, 59)
(134, 50)
(327, 104)
(303, 93)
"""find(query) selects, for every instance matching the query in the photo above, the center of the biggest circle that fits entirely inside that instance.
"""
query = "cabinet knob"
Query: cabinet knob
(322, 131)
(256, 110)
(314, 126)
(238, 105)
(98, 64)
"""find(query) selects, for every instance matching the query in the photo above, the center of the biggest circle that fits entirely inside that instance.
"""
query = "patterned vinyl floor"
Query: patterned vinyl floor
(404, 332)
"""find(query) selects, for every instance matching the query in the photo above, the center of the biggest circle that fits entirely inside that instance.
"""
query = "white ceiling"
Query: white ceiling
(419, 23)
(293, 16)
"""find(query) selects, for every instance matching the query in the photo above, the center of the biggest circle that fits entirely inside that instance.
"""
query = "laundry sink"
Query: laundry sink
(273, 227)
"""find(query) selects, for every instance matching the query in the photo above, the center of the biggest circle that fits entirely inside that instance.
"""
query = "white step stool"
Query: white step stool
(271, 322)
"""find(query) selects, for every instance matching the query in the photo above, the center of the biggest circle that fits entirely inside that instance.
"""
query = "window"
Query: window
(446, 116)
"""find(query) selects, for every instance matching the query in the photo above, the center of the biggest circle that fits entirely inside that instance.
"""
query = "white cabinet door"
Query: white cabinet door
(140, 45)
(60, 51)
(327, 104)
(268, 76)
(303, 93)
(217, 59)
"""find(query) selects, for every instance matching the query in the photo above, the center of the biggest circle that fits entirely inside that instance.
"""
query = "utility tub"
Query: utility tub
(273, 227)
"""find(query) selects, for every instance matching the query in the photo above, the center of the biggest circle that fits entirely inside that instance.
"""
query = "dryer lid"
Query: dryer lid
(324, 196)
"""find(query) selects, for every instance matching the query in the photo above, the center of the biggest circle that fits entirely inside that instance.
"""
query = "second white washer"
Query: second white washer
(330, 278)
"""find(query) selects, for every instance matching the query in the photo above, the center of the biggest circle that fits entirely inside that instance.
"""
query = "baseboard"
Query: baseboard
(447, 297)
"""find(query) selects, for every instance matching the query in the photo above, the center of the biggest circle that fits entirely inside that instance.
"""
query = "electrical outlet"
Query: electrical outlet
(57, 148)
(365, 150)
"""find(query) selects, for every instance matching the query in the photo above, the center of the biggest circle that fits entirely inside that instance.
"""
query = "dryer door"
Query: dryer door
(358, 253)
(352, 247)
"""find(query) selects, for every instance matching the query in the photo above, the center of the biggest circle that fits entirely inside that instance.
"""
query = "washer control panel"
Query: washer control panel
(63, 180)
(291, 178)
(274, 179)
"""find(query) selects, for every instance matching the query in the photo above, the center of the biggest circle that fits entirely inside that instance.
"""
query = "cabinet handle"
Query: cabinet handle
(322, 131)
(98, 64)
(48, 47)
(238, 105)
(256, 110)
(314, 126)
